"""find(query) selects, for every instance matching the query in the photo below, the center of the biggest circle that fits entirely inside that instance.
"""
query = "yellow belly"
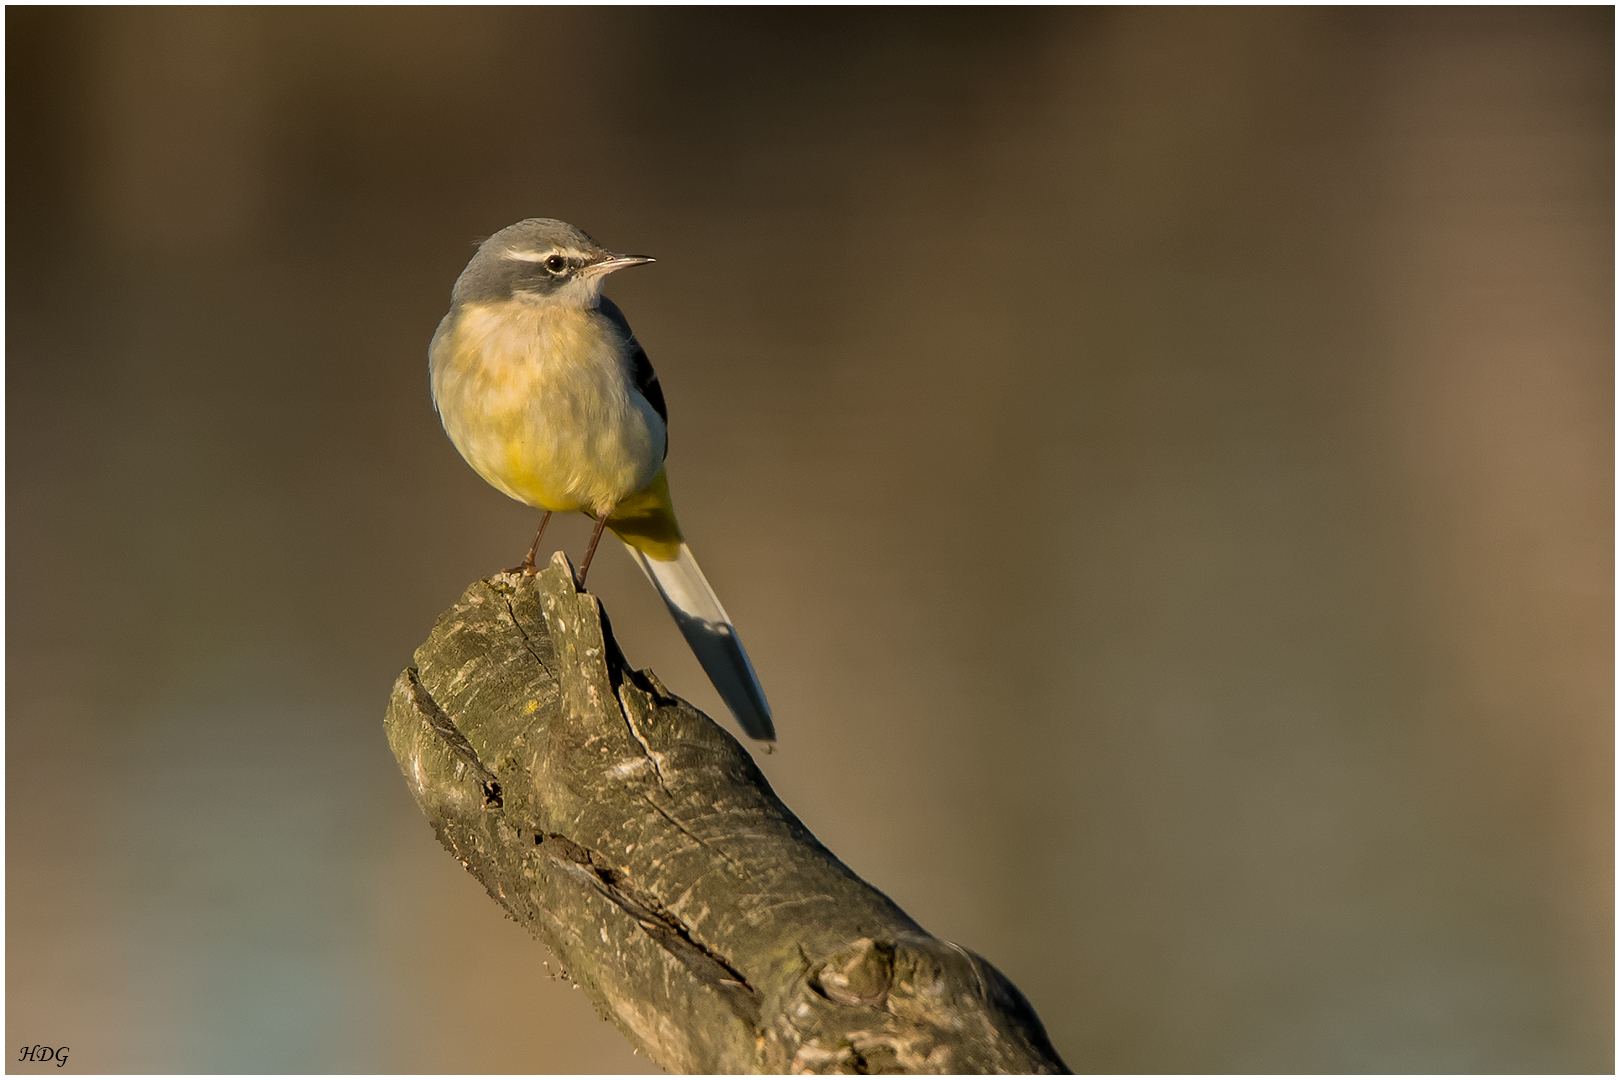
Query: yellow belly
(539, 402)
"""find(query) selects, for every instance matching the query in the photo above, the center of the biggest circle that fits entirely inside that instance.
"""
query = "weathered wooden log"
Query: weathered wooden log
(640, 842)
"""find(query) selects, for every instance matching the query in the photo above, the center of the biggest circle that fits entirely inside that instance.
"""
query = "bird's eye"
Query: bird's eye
(556, 264)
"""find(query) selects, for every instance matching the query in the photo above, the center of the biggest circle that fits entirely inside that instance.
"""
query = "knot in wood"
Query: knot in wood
(858, 975)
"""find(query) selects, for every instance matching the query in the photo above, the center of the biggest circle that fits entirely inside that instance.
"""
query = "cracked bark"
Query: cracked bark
(639, 841)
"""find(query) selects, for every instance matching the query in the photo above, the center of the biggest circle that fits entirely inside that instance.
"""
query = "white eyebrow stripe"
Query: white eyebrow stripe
(541, 256)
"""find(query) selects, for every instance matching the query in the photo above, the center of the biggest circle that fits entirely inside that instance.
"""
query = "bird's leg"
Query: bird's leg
(534, 548)
(596, 537)
(527, 566)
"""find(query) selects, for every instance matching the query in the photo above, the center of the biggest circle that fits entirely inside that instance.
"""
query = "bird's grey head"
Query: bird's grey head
(541, 260)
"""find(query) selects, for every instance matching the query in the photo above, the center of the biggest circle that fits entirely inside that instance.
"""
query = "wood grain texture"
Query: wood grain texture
(640, 842)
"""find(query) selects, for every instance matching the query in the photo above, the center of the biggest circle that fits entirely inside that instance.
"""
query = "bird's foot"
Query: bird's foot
(526, 568)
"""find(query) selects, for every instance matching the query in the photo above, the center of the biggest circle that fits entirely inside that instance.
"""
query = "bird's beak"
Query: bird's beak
(614, 262)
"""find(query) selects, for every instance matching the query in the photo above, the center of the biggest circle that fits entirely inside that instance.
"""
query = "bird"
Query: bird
(543, 388)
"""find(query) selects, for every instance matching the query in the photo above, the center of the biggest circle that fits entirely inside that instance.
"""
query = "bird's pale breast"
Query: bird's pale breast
(539, 401)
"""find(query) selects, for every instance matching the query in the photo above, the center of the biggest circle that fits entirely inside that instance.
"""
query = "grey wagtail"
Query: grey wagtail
(548, 395)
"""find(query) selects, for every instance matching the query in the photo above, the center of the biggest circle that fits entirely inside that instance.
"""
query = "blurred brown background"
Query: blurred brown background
(1160, 460)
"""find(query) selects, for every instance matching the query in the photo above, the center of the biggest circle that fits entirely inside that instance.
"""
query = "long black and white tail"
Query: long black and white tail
(708, 630)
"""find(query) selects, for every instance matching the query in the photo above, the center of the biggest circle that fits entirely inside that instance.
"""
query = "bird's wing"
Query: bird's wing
(647, 382)
(642, 373)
